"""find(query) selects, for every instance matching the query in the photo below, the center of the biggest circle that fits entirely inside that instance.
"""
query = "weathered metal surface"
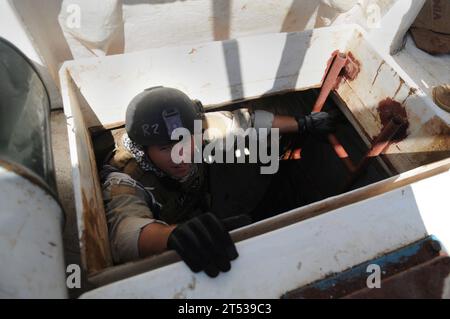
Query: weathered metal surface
(92, 228)
(424, 281)
(355, 279)
(351, 68)
(31, 218)
(31, 247)
(380, 90)
(393, 116)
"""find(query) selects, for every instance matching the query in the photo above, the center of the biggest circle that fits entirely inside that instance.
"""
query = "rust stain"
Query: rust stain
(344, 287)
(97, 255)
(399, 87)
(378, 72)
(412, 91)
(352, 68)
(389, 109)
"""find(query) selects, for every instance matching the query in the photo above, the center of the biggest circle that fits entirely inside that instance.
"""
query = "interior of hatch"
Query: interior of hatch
(309, 170)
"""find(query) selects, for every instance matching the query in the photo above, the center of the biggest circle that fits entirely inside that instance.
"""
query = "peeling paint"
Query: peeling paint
(97, 255)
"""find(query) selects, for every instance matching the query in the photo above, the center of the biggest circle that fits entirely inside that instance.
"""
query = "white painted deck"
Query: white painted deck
(268, 266)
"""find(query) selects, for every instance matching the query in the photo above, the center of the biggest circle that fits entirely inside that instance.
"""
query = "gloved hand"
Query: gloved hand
(204, 243)
(316, 123)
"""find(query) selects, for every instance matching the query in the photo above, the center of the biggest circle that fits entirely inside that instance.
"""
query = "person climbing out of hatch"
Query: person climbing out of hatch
(153, 204)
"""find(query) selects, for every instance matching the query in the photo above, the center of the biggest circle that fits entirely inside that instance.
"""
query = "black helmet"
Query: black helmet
(153, 114)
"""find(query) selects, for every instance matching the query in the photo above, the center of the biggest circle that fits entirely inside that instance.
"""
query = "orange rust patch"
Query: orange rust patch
(401, 83)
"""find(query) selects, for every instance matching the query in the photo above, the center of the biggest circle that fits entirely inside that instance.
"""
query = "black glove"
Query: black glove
(204, 243)
(316, 123)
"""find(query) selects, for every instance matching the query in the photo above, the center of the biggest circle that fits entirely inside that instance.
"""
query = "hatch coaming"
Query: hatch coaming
(97, 91)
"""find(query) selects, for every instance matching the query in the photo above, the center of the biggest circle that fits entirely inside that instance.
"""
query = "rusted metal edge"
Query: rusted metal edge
(424, 281)
(354, 279)
(352, 67)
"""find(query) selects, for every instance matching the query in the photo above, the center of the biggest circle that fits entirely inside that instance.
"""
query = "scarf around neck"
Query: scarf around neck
(144, 162)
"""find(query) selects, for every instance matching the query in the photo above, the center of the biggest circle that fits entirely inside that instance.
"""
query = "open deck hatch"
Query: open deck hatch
(296, 65)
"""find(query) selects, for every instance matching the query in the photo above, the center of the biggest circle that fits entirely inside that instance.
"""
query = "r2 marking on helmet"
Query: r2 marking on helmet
(154, 129)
